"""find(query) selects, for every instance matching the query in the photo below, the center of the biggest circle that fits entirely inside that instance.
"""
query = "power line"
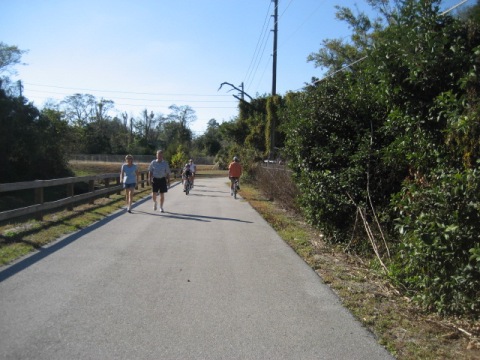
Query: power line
(263, 73)
(259, 61)
(453, 7)
(343, 68)
(139, 102)
(257, 57)
(123, 92)
(140, 99)
(304, 21)
(258, 43)
(249, 80)
(196, 107)
(286, 7)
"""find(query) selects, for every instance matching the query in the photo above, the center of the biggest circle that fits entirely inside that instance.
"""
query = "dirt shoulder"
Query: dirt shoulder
(405, 330)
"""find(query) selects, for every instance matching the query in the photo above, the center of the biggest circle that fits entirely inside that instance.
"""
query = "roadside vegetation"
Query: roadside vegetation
(406, 329)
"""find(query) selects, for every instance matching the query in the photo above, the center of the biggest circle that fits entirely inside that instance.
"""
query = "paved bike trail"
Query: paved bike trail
(207, 279)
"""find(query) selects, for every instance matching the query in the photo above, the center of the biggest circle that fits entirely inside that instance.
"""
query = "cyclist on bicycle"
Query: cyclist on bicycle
(186, 176)
(234, 173)
(193, 168)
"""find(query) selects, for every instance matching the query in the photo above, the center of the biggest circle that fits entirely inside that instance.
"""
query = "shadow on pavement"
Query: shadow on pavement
(191, 217)
(45, 251)
(199, 217)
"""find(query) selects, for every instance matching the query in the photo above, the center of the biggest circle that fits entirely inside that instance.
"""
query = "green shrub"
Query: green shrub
(439, 255)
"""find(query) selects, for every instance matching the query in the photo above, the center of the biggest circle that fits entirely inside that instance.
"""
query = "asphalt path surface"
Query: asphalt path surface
(206, 279)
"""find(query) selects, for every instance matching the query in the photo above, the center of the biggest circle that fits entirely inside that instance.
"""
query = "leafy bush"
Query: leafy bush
(399, 129)
(439, 225)
(332, 142)
(179, 159)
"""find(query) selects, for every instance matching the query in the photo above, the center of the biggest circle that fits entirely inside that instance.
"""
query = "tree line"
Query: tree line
(384, 150)
(36, 143)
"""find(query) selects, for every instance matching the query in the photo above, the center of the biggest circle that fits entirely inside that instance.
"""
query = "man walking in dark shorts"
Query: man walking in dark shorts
(159, 172)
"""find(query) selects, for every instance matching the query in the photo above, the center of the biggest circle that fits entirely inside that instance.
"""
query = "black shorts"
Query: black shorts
(159, 185)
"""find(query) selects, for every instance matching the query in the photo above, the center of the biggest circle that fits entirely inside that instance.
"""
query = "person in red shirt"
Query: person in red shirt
(234, 172)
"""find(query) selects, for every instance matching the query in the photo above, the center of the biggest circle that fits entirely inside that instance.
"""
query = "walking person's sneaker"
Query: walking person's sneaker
(154, 206)
(161, 210)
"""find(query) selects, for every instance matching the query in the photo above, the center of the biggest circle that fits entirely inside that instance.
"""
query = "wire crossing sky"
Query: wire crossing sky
(150, 54)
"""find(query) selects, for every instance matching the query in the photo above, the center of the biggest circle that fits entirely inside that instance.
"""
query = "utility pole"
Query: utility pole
(275, 34)
(242, 92)
(274, 77)
(20, 87)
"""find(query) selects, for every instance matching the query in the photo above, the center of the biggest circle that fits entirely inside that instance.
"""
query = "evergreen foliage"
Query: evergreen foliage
(32, 143)
(395, 137)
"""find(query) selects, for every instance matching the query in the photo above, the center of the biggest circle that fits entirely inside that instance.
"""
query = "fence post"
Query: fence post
(91, 188)
(107, 184)
(70, 193)
(118, 183)
(39, 200)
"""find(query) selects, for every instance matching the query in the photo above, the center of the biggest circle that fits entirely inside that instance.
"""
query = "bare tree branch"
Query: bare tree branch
(236, 88)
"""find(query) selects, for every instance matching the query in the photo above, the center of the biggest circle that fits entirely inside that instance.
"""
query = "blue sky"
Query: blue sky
(150, 54)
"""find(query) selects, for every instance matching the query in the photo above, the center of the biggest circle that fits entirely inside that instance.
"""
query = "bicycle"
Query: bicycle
(236, 186)
(187, 185)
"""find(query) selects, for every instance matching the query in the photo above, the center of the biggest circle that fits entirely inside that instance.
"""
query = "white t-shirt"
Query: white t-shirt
(159, 169)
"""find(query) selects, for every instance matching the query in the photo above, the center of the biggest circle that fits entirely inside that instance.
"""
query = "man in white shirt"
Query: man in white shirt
(159, 172)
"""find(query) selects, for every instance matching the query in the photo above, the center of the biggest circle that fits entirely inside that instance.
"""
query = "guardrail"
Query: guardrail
(94, 191)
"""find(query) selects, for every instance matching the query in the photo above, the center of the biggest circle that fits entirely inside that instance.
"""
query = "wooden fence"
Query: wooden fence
(98, 185)
(204, 160)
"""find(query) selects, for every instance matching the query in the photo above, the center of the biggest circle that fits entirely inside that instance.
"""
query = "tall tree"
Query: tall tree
(10, 56)
(210, 141)
(336, 54)
(102, 108)
(145, 126)
(80, 109)
(184, 115)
